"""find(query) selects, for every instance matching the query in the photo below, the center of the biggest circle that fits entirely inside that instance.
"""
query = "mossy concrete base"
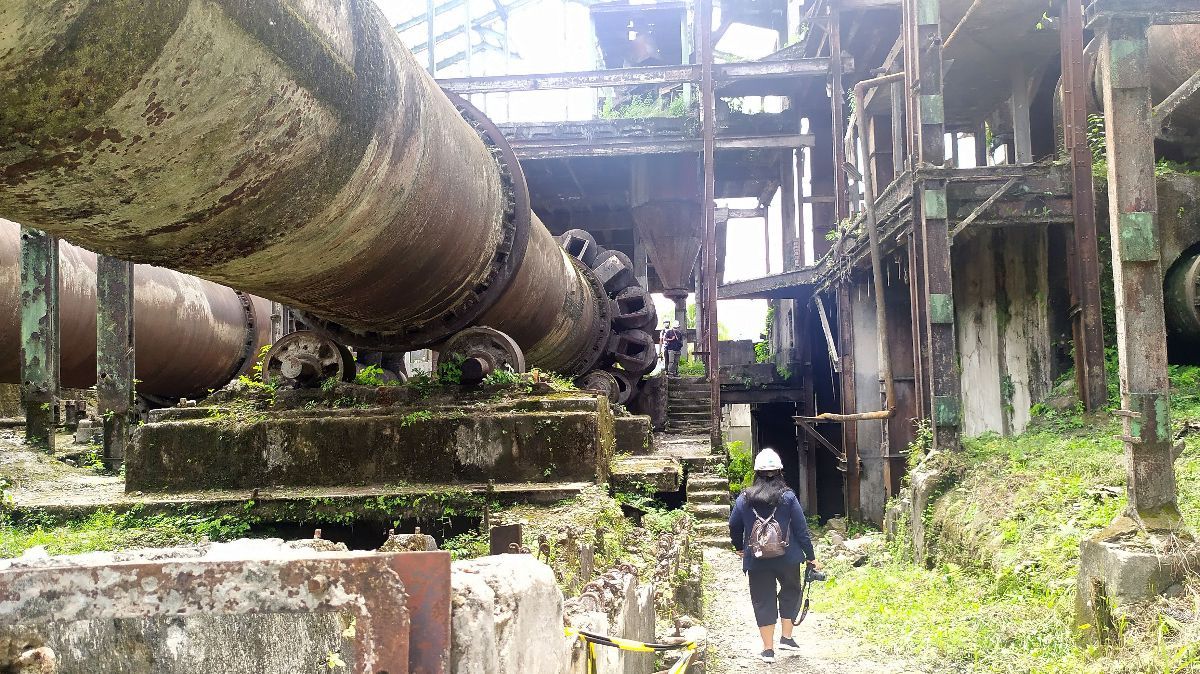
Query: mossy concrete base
(1121, 566)
(633, 435)
(662, 474)
(535, 439)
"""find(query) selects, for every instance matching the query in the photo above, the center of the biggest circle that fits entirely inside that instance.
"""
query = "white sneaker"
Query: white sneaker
(767, 656)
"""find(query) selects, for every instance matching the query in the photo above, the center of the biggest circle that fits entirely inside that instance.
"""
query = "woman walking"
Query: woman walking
(768, 530)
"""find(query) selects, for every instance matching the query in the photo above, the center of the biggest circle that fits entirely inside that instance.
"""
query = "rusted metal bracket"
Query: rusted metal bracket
(802, 422)
(400, 601)
(834, 360)
(981, 208)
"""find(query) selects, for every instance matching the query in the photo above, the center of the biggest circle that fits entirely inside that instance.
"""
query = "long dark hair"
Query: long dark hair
(768, 488)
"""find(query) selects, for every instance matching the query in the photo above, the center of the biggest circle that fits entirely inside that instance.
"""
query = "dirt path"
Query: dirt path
(734, 641)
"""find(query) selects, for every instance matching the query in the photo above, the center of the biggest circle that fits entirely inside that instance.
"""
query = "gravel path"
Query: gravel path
(734, 643)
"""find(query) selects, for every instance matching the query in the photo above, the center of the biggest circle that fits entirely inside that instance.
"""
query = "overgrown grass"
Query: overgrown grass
(109, 530)
(1001, 595)
(740, 469)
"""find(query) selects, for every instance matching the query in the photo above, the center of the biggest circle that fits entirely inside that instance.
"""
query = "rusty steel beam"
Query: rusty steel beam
(624, 147)
(115, 355)
(636, 76)
(195, 335)
(1137, 272)
(306, 158)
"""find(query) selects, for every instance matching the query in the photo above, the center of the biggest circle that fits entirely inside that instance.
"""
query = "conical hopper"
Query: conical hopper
(671, 232)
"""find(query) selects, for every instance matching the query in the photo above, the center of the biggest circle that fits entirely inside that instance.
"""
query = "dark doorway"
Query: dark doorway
(774, 428)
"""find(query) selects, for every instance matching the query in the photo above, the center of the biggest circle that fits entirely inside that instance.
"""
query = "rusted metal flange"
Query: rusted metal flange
(483, 350)
(601, 381)
(506, 260)
(305, 359)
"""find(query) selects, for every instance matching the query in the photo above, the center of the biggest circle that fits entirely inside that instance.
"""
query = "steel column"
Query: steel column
(114, 354)
(1137, 272)
(708, 111)
(40, 335)
(849, 401)
(1087, 323)
(931, 227)
(838, 112)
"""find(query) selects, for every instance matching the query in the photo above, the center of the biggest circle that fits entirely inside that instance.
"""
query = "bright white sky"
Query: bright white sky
(556, 36)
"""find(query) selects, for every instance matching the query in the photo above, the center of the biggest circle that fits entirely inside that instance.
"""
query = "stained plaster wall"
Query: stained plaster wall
(1002, 326)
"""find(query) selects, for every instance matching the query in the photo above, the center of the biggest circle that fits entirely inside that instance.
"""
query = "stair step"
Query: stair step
(714, 541)
(711, 528)
(704, 482)
(715, 497)
(709, 511)
(688, 416)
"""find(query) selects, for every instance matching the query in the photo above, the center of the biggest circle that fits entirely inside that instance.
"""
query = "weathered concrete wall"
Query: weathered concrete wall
(10, 401)
(1003, 327)
(617, 606)
(507, 617)
(528, 440)
(866, 384)
(736, 352)
(975, 319)
(239, 644)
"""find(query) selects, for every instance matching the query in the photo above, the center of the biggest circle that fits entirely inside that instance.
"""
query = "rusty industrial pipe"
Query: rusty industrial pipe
(885, 348)
(296, 150)
(191, 335)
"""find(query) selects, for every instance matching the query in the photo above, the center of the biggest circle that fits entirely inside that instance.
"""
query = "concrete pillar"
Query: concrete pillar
(39, 335)
(1019, 103)
(114, 354)
(787, 205)
(1137, 272)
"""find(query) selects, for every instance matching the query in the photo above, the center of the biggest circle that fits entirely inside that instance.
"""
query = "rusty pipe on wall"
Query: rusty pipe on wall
(190, 335)
(885, 347)
(296, 150)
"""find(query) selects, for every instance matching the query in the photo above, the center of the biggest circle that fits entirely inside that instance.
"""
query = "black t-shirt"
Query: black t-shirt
(674, 343)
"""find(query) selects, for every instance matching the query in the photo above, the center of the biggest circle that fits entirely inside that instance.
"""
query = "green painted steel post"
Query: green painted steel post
(39, 335)
(939, 346)
(114, 354)
(1137, 272)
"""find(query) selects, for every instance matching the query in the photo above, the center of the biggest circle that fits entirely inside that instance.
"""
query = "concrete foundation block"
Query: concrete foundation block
(526, 440)
(1122, 566)
(633, 434)
(660, 473)
(507, 617)
(652, 401)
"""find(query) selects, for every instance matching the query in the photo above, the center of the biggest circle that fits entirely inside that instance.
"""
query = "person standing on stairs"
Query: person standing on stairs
(672, 348)
(769, 532)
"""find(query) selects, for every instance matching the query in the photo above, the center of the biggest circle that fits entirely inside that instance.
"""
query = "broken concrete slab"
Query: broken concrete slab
(535, 439)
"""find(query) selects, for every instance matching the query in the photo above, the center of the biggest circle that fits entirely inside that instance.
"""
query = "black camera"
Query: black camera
(811, 575)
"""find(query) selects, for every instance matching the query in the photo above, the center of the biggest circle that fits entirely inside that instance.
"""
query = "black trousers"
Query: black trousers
(775, 591)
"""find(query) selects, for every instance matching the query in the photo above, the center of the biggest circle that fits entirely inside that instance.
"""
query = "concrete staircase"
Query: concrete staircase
(688, 402)
(708, 502)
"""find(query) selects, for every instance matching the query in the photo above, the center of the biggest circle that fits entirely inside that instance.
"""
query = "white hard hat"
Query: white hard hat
(767, 459)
